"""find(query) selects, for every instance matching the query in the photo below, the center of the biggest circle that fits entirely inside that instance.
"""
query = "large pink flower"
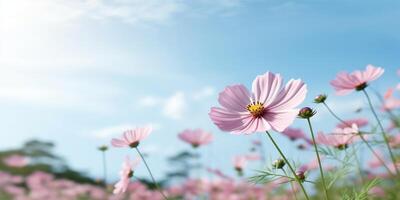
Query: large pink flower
(345, 83)
(196, 137)
(131, 138)
(268, 106)
(125, 174)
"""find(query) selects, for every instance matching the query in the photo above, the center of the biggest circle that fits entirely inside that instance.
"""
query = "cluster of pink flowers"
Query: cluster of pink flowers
(40, 185)
(268, 106)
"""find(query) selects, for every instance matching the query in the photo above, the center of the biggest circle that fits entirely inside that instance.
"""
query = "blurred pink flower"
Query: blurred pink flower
(313, 164)
(256, 142)
(196, 137)
(394, 141)
(377, 191)
(239, 162)
(131, 138)
(376, 162)
(340, 138)
(16, 161)
(125, 174)
(345, 83)
(360, 122)
(389, 101)
(268, 106)
(294, 133)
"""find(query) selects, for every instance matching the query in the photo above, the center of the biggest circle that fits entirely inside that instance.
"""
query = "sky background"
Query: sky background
(79, 72)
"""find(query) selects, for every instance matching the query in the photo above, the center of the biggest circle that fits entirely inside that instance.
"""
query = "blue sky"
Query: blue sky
(80, 72)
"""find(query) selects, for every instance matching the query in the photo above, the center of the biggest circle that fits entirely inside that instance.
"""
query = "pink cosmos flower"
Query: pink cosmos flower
(389, 101)
(239, 162)
(125, 174)
(345, 82)
(340, 138)
(256, 142)
(196, 137)
(360, 122)
(394, 141)
(377, 191)
(294, 133)
(267, 106)
(16, 161)
(131, 138)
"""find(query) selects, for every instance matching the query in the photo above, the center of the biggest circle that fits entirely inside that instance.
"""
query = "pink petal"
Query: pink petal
(252, 125)
(266, 87)
(291, 96)
(280, 120)
(118, 143)
(227, 120)
(235, 97)
(372, 73)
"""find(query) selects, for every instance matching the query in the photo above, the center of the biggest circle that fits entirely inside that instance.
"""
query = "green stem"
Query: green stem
(104, 167)
(318, 158)
(358, 164)
(291, 185)
(382, 131)
(151, 175)
(361, 136)
(290, 166)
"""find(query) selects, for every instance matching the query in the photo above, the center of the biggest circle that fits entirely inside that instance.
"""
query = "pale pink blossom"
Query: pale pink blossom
(340, 138)
(294, 133)
(16, 161)
(360, 122)
(131, 138)
(125, 174)
(239, 162)
(377, 191)
(345, 83)
(389, 101)
(394, 141)
(268, 106)
(196, 137)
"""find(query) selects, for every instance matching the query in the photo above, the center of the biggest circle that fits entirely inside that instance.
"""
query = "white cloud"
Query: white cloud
(19, 13)
(205, 92)
(149, 101)
(175, 106)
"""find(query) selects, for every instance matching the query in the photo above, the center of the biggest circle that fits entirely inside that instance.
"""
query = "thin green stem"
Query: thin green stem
(291, 185)
(361, 136)
(289, 165)
(382, 131)
(318, 158)
(104, 167)
(358, 164)
(151, 175)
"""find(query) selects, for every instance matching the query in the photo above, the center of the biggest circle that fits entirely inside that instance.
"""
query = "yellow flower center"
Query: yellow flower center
(256, 109)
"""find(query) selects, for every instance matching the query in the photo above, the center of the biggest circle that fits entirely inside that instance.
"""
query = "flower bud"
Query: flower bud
(300, 175)
(103, 148)
(320, 98)
(306, 113)
(278, 164)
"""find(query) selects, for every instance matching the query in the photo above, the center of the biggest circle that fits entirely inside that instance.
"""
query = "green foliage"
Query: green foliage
(43, 159)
